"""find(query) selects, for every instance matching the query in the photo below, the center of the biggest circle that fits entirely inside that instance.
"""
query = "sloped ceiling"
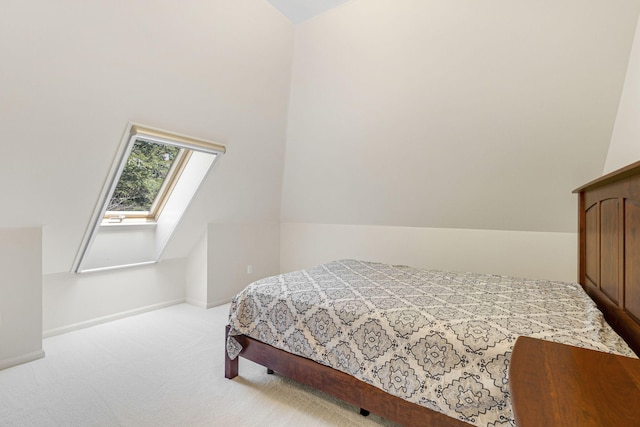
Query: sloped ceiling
(75, 73)
(465, 114)
(426, 113)
(300, 10)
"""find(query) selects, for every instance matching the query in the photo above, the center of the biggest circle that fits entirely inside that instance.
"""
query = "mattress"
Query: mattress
(439, 339)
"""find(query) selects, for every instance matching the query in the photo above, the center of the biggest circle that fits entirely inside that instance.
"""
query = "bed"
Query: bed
(422, 347)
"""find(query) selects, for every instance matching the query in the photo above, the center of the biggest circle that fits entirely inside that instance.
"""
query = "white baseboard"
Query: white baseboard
(25, 358)
(199, 304)
(93, 322)
(207, 305)
(217, 303)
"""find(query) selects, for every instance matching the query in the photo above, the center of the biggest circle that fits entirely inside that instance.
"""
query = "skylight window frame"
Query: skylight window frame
(203, 155)
(145, 134)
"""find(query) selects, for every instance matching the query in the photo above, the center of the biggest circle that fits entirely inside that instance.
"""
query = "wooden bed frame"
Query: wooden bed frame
(609, 271)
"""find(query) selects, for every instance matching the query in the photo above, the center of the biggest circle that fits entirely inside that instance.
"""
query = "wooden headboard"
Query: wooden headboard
(609, 248)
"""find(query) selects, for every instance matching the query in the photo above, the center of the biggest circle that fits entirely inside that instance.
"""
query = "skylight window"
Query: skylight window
(148, 177)
(152, 182)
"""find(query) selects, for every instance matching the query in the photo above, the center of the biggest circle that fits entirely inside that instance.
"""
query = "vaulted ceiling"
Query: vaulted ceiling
(301, 10)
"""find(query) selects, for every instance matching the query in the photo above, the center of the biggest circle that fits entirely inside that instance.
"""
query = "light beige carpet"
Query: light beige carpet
(163, 368)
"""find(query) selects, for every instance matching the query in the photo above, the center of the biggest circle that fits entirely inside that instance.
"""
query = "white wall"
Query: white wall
(20, 296)
(74, 73)
(625, 141)
(196, 274)
(550, 256)
(73, 301)
(228, 258)
(231, 249)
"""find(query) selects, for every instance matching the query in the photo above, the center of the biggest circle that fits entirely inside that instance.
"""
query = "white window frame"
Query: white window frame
(101, 246)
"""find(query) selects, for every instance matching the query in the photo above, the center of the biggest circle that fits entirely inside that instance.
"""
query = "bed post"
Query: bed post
(230, 366)
(582, 240)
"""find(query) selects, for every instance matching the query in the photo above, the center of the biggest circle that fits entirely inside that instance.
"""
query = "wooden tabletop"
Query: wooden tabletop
(560, 385)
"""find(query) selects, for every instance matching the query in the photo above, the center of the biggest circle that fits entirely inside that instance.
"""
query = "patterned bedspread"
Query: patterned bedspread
(439, 339)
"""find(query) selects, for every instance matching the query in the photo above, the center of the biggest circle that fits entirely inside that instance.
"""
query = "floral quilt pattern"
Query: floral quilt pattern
(439, 339)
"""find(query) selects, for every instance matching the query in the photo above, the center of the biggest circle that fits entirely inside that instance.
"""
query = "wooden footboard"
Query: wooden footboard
(337, 384)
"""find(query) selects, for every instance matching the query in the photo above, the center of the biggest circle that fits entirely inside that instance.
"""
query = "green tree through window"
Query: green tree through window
(143, 176)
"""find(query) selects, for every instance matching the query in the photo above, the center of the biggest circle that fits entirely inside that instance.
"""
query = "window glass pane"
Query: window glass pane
(142, 177)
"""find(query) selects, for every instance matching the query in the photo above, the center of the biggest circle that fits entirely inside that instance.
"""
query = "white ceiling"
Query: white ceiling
(301, 10)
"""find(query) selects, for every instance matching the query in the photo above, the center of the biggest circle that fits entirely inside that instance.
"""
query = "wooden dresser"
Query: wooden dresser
(560, 385)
